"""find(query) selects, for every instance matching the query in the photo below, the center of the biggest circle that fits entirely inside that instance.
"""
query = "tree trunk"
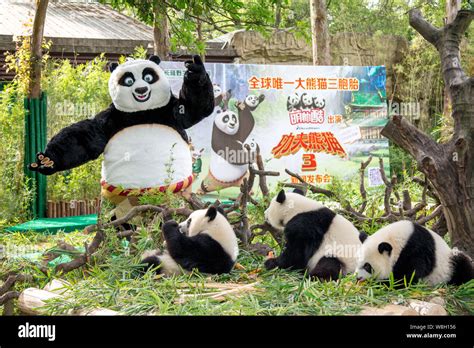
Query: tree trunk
(277, 14)
(449, 167)
(320, 33)
(161, 37)
(199, 29)
(36, 49)
(313, 5)
(452, 8)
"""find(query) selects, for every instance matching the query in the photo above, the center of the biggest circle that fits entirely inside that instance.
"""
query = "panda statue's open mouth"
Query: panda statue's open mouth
(142, 97)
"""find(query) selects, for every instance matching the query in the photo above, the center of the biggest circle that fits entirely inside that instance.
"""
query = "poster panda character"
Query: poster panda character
(229, 156)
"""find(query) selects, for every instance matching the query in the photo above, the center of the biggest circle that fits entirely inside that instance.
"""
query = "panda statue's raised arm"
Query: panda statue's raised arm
(140, 132)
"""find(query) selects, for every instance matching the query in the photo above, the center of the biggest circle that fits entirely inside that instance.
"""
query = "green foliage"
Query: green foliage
(384, 17)
(75, 93)
(401, 163)
(110, 277)
(15, 194)
(191, 23)
(109, 282)
(14, 191)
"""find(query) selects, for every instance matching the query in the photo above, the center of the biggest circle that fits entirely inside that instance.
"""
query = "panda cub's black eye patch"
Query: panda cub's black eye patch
(368, 267)
(149, 75)
(127, 79)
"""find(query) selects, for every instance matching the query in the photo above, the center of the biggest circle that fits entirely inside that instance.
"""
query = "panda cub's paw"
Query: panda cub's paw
(170, 228)
(271, 264)
(150, 262)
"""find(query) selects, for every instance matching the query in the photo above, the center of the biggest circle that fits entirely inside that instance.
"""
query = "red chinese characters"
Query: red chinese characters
(309, 83)
(322, 142)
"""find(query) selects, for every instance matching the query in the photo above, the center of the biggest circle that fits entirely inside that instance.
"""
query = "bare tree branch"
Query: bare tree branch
(426, 29)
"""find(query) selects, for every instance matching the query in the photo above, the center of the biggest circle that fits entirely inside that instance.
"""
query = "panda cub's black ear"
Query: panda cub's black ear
(113, 66)
(298, 191)
(155, 59)
(281, 196)
(384, 246)
(211, 213)
(362, 236)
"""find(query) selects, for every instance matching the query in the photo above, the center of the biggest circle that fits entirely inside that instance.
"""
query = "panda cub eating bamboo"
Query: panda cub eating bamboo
(205, 241)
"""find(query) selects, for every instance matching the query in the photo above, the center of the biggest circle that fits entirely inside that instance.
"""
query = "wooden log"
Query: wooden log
(63, 209)
(49, 209)
(32, 300)
(82, 207)
(54, 212)
(8, 308)
(76, 208)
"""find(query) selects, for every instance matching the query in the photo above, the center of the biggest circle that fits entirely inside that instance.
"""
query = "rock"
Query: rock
(347, 48)
(390, 309)
(427, 308)
(438, 300)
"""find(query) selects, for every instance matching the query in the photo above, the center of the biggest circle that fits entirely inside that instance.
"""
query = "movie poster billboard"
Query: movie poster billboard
(320, 122)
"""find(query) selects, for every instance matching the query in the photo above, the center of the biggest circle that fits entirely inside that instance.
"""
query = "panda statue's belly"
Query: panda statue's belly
(225, 171)
(146, 156)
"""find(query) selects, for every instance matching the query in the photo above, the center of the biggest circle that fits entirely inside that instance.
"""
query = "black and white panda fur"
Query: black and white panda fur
(140, 130)
(293, 102)
(221, 98)
(229, 159)
(319, 104)
(252, 101)
(405, 247)
(306, 101)
(205, 241)
(317, 239)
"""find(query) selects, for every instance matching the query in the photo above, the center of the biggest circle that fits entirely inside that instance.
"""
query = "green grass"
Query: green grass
(108, 282)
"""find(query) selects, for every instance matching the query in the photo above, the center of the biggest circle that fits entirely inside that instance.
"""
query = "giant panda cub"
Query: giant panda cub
(317, 239)
(407, 249)
(293, 102)
(205, 241)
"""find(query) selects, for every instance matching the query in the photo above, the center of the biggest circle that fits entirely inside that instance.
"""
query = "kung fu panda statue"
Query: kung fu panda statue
(141, 134)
